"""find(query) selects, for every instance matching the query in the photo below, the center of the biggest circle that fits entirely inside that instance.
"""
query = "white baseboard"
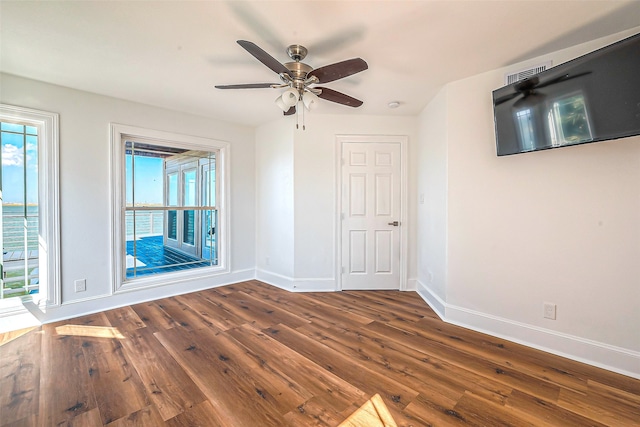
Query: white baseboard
(274, 279)
(412, 285)
(601, 355)
(295, 284)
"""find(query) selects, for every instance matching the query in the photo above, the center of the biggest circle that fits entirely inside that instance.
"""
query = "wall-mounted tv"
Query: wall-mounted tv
(592, 98)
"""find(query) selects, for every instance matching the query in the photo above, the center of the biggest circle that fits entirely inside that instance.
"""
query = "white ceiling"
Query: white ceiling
(172, 53)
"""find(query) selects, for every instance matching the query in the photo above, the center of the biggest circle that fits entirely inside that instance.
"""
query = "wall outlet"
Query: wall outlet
(80, 285)
(267, 261)
(549, 311)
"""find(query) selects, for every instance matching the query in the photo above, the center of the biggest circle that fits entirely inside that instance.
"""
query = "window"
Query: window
(29, 268)
(169, 213)
(569, 121)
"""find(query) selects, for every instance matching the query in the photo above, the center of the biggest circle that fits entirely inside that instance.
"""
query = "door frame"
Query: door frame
(403, 140)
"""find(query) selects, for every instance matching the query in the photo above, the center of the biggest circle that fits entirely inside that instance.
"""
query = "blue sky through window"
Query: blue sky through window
(148, 180)
(16, 163)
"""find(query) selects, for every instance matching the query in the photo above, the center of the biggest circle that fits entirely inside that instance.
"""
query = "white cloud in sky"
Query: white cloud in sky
(12, 155)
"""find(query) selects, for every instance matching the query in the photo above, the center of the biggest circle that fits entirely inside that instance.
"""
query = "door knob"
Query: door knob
(394, 223)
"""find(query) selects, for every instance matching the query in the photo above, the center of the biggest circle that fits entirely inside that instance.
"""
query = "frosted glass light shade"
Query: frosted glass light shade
(290, 97)
(280, 104)
(310, 100)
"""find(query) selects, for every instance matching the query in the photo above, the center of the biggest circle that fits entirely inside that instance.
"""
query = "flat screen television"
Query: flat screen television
(595, 97)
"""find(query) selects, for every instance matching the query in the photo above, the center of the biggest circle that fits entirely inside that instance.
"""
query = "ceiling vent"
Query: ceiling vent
(526, 73)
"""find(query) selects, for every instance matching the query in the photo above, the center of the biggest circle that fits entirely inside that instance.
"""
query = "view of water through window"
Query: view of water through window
(19, 206)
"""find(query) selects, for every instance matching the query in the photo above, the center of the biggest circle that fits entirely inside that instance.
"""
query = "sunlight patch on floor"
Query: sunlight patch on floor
(90, 331)
(373, 413)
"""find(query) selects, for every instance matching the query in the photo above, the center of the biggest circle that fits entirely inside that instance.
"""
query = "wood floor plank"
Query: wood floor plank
(168, 386)
(315, 412)
(62, 359)
(605, 411)
(125, 319)
(118, 388)
(11, 335)
(344, 367)
(307, 307)
(226, 315)
(20, 376)
(209, 309)
(183, 315)
(476, 411)
(202, 414)
(426, 411)
(147, 416)
(484, 368)
(377, 303)
(546, 414)
(260, 313)
(499, 351)
(237, 398)
(250, 354)
(154, 317)
(310, 377)
(89, 418)
(421, 373)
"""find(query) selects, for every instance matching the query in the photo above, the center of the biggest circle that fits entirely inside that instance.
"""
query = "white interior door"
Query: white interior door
(371, 207)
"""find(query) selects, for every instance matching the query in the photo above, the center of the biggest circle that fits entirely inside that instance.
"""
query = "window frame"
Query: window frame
(50, 292)
(121, 132)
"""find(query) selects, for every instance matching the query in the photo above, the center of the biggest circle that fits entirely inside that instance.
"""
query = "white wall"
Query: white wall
(274, 200)
(314, 193)
(85, 187)
(432, 188)
(557, 226)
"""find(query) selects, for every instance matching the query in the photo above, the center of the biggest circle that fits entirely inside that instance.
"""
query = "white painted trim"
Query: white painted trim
(275, 279)
(403, 140)
(49, 202)
(314, 285)
(412, 285)
(602, 355)
(292, 284)
(436, 304)
(120, 131)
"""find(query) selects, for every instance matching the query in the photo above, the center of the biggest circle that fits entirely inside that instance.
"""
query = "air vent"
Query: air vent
(523, 74)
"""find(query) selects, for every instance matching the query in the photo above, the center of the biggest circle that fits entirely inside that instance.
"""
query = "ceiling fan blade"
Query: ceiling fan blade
(247, 86)
(290, 111)
(506, 98)
(562, 78)
(339, 97)
(339, 70)
(263, 57)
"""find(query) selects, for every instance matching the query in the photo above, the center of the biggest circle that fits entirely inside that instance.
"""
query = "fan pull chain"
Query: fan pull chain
(303, 128)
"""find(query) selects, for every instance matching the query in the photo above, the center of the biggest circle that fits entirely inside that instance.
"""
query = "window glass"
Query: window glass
(19, 217)
(168, 219)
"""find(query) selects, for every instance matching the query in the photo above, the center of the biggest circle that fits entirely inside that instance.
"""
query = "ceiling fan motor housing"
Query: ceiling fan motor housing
(297, 52)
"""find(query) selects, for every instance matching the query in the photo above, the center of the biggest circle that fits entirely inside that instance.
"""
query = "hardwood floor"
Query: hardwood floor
(252, 355)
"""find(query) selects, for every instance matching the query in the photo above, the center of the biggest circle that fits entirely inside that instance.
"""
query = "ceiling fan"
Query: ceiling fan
(300, 78)
(526, 88)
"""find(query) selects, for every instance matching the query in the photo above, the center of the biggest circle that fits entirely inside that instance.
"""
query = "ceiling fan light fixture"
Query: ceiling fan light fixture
(290, 97)
(280, 103)
(310, 100)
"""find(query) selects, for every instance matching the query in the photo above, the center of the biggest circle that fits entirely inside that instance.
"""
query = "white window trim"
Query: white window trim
(118, 241)
(49, 294)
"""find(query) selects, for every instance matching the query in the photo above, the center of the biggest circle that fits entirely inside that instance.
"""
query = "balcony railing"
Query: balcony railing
(20, 275)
